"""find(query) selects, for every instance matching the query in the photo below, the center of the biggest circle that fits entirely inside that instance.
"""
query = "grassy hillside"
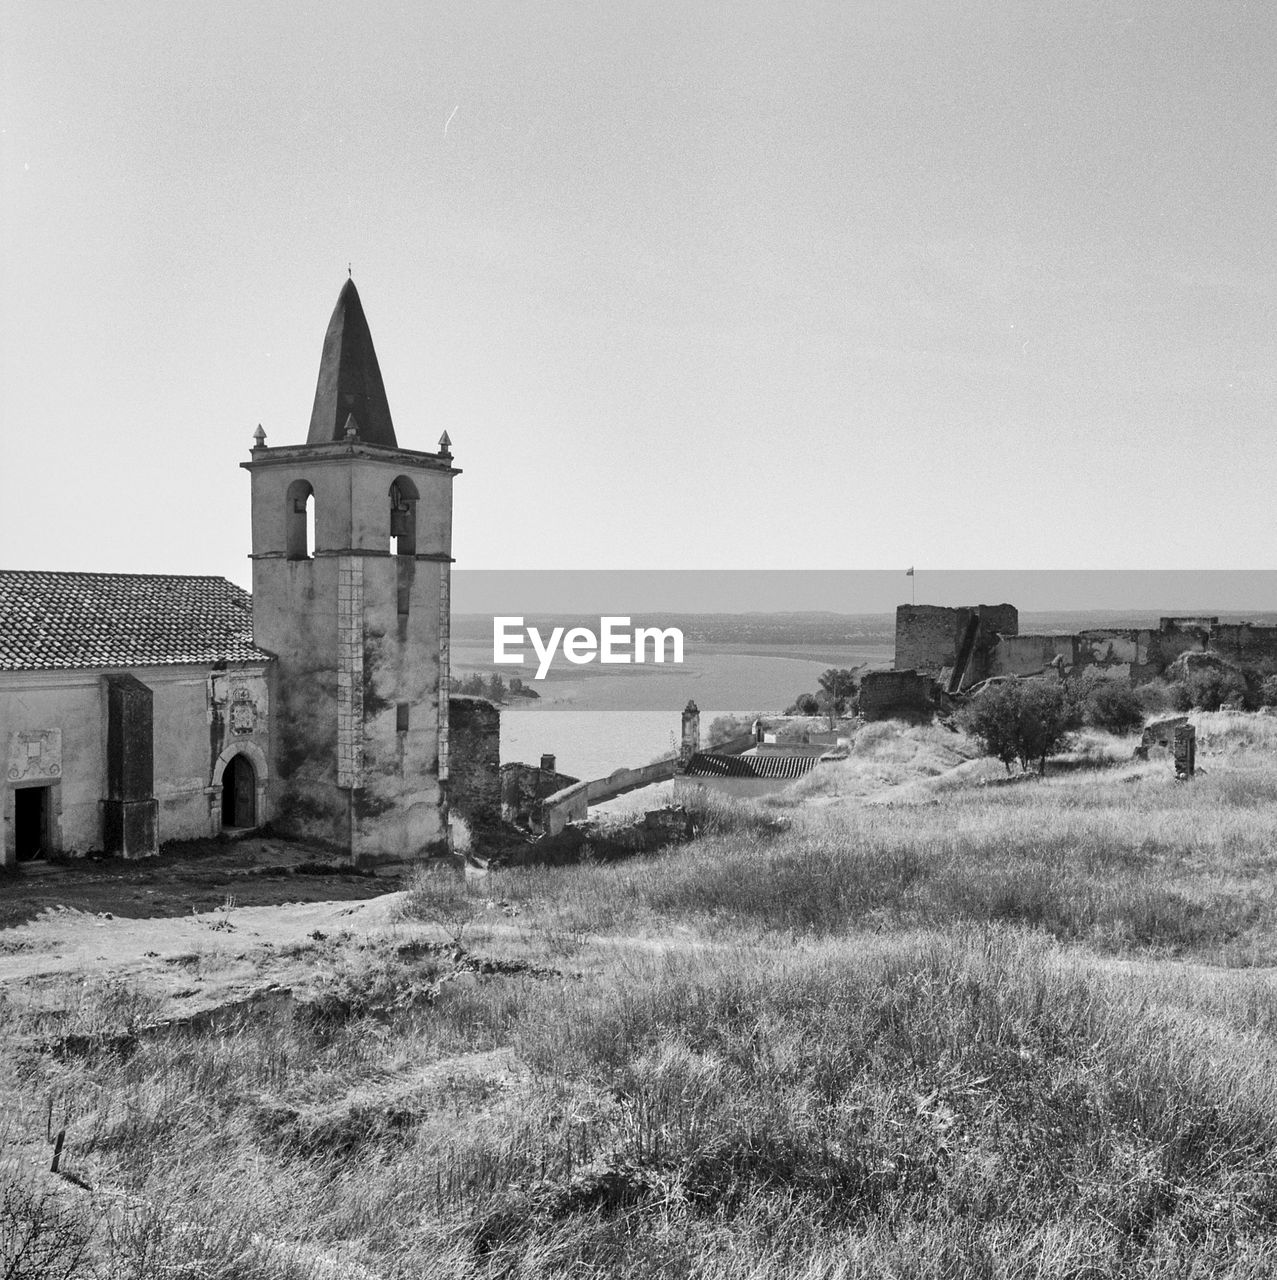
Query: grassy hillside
(977, 1028)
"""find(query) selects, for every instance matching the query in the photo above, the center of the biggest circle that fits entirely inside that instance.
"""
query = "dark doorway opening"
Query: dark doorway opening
(31, 822)
(239, 793)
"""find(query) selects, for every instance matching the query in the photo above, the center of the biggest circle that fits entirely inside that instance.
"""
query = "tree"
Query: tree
(496, 687)
(837, 684)
(804, 705)
(1024, 720)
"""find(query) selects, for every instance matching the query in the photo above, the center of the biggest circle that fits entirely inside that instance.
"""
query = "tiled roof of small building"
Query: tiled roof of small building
(706, 764)
(51, 621)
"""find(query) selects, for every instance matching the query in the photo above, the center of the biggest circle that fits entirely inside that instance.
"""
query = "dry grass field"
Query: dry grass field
(913, 1019)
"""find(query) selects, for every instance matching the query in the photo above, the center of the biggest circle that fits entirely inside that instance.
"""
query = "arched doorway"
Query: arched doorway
(239, 793)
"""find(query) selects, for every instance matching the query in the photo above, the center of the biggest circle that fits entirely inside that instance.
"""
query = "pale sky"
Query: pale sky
(690, 285)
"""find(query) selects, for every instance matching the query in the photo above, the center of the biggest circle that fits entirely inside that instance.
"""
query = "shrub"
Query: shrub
(1107, 702)
(1021, 720)
(804, 705)
(1154, 697)
(40, 1238)
(1268, 692)
(1208, 688)
(724, 728)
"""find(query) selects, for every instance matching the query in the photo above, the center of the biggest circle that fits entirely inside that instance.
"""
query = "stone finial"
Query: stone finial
(352, 427)
(445, 446)
(259, 436)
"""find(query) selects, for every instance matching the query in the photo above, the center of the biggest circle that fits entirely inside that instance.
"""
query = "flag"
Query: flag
(909, 572)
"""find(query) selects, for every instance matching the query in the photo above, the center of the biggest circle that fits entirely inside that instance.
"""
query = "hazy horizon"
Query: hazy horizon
(744, 287)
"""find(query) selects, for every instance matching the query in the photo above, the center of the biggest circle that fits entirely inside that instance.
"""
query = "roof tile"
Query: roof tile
(51, 621)
(707, 764)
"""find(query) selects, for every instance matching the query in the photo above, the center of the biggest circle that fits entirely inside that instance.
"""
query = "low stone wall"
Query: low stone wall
(572, 804)
(623, 780)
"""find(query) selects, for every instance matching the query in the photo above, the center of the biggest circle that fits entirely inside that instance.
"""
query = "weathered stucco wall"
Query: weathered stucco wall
(1027, 655)
(360, 639)
(192, 729)
(1141, 654)
(572, 804)
(398, 809)
(474, 774)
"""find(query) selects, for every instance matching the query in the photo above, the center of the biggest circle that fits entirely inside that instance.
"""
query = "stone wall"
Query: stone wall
(1139, 654)
(1244, 643)
(572, 804)
(474, 759)
(1027, 655)
(523, 789)
(622, 780)
(885, 695)
(929, 637)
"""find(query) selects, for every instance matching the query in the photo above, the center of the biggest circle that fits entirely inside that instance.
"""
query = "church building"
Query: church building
(137, 709)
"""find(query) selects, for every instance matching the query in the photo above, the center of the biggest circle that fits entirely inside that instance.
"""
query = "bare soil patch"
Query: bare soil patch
(194, 876)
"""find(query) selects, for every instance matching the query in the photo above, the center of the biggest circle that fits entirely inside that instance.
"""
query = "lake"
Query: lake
(596, 719)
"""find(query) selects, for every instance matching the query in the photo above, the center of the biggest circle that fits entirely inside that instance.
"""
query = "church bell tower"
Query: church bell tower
(352, 543)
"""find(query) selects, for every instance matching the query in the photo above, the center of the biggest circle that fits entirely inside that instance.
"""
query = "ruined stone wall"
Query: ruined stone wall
(928, 636)
(1140, 654)
(1027, 655)
(885, 694)
(474, 772)
(1245, 643)
(524, 787)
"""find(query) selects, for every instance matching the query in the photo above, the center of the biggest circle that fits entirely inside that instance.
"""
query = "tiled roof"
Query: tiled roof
(52, 621)
(705, 764)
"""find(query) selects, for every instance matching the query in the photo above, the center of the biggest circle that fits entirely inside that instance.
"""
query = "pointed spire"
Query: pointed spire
(350, 379)
(445, 446)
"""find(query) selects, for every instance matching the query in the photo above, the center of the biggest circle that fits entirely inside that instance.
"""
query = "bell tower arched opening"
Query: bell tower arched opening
(403, 517)
(299, 521)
